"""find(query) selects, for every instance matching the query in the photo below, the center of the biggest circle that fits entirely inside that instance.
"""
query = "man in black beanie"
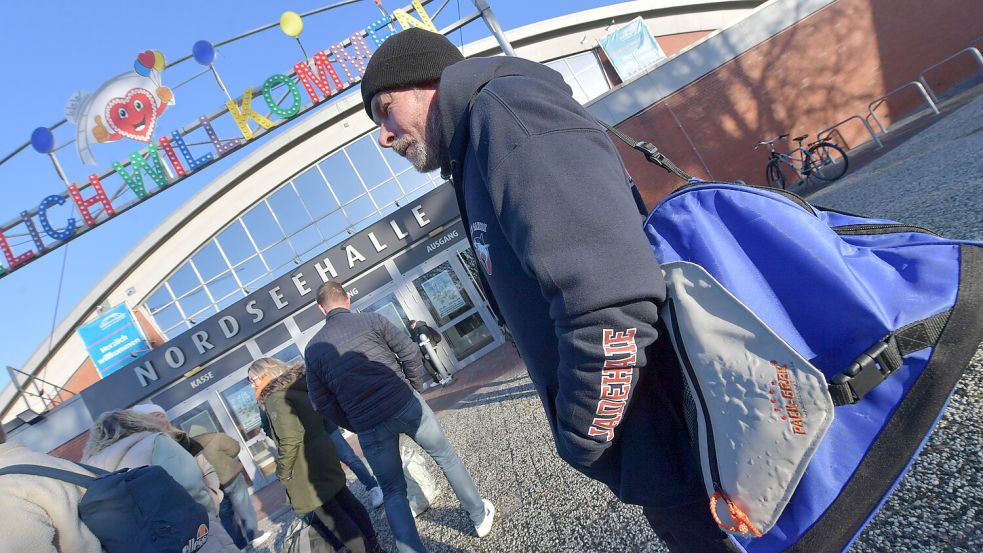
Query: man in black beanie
(545, 202)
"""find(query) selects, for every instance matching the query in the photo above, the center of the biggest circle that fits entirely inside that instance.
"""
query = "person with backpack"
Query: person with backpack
(547, 206)
(41, 514)
(307, 464)
(126, 439)
(420, 330)
(222, 451)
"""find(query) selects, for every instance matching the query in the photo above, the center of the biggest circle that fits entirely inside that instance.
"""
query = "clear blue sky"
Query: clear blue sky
(51, 50)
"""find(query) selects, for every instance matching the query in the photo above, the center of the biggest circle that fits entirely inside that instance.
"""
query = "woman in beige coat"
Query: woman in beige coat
(41, 514)
(127, 439)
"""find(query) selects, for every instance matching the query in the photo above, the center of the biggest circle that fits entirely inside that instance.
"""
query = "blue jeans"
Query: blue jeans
(236, 502)
(380, 445)
(351, 459)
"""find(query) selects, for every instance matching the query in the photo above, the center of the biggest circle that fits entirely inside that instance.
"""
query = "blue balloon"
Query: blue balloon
(203, 52)
(140, 69)
(43, 140)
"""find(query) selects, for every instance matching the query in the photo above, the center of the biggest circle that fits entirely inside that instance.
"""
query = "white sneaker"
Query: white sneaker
(375, 497)
(260, 539)
(486, 523)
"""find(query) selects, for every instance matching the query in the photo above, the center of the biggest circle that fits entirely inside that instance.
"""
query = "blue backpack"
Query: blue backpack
(888, 315)
(141, 509)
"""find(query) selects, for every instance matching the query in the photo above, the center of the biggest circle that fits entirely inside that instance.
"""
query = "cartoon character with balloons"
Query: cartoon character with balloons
(126, 106)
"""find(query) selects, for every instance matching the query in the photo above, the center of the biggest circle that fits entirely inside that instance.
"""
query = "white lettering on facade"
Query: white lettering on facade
(256, 312)
(301, 284)
(200, 340)
(324, 270)
(399, 232)
(146, 374)
(174, 357)
(201, 380)
(277, 297)
(353, 256)
(441, 241)
(375, 243)
(229, 326)
(421, 217)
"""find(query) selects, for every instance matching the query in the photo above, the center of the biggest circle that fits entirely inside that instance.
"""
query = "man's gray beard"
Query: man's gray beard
(426, 155)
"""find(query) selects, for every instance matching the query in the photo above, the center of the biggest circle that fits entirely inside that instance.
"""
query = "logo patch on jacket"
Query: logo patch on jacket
(482, 249)
(620, 357)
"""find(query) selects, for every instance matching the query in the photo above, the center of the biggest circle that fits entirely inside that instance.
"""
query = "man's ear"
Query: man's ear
(323, 310)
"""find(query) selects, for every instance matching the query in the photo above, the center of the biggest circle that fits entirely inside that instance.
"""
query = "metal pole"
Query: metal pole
(20, 389)
(493, 26)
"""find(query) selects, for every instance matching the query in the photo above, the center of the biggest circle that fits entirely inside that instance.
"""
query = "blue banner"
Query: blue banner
(113, 340)
(632, 49)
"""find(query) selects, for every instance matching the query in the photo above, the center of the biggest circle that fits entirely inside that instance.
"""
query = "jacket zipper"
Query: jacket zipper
(881, 228)
(711, 446)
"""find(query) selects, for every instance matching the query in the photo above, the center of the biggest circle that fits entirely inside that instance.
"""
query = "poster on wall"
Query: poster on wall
(443, 294)
(632, 49)
(113, 340)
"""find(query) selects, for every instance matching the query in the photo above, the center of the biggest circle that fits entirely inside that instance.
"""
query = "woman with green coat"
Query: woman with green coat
(308, 463)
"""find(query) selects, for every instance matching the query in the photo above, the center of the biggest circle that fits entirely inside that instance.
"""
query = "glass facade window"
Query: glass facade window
(584, 75)
(319, 207)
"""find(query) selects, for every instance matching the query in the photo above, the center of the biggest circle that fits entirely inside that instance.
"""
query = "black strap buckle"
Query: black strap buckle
(651, 152)
(867, 371)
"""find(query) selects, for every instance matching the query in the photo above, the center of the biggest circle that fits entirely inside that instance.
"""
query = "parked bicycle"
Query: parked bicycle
(825, 160)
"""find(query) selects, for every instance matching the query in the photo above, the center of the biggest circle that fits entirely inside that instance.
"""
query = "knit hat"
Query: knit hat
(411, 57)
(148, 409)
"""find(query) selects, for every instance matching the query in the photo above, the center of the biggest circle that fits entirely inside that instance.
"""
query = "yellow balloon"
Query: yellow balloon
(291, 24)
(159, 62)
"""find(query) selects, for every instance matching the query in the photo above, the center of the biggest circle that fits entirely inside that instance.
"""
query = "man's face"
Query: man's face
(407, 119)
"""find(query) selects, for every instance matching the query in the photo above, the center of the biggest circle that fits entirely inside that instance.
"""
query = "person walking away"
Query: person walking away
(41, 514)
(421, 333)
(215, 477)
(357, 363)
(127, 439)
(546, 203)
(308, 463)
(222, 451)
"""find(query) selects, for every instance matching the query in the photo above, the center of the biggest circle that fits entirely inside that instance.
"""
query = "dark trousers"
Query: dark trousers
(689, 528)
(347, 523)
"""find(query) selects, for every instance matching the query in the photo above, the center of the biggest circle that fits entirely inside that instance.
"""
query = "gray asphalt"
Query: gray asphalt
(933, 180)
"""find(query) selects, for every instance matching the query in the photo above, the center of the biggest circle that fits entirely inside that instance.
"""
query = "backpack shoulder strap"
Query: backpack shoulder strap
(50, 472)
(651, 152)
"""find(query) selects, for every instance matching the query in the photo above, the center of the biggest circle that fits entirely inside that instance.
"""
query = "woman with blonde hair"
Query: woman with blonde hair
(127, 439)
(308, 464)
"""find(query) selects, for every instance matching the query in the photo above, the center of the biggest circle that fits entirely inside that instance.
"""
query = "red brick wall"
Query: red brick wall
(671, 44)
(822, 70)
(72, 449)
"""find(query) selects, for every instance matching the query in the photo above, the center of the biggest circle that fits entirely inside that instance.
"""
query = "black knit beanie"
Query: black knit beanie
(410, 57)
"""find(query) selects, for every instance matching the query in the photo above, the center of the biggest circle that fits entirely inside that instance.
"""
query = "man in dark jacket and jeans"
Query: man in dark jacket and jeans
(355, 369)
(546, 203)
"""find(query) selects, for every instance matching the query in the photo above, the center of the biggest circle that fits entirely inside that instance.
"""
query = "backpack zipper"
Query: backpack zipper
(711, 446)
(880, 228)
(791, 196)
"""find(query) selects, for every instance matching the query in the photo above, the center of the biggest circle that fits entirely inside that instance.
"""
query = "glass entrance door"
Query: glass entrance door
(443, 288)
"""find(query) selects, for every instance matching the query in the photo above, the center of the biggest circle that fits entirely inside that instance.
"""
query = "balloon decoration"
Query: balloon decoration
(203, 52)
(43, 140)
(291, 24)
(149, 60)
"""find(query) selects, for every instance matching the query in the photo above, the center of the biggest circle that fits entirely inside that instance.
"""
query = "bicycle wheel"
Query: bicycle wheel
(774, 175)
(829, 161)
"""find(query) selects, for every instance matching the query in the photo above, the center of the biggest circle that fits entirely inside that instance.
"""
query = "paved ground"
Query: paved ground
(934, 179)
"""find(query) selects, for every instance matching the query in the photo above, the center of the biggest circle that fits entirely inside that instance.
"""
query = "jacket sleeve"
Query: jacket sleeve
(289, 435)
(173, 458)
(229, 446)
(324, 400)
(407, 352)
(559, 190)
